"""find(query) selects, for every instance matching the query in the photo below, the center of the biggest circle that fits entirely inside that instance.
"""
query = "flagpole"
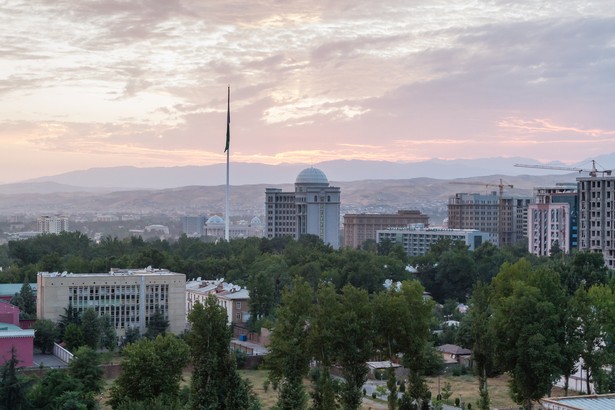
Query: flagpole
(228, 151)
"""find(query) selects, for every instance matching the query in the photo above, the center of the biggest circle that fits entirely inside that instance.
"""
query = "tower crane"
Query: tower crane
(501, 185)
(501, 207)
(592, 172)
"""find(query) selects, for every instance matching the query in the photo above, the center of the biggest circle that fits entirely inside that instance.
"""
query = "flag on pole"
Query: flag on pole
(228, 120)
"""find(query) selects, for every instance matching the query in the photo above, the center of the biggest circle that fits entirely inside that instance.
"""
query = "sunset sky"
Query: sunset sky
(98, 83)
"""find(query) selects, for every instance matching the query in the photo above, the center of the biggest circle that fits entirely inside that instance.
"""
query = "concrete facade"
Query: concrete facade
(360, 227)
(130, 297)
(504, 219)
(314, 209)
(597, 216)
(417, 240)
(52, 224)
(547, 224)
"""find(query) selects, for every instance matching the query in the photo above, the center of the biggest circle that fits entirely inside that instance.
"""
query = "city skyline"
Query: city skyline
(111, 83)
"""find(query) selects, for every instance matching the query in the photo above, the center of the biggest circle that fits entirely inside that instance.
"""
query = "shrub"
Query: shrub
(457, 401)
(374, 395)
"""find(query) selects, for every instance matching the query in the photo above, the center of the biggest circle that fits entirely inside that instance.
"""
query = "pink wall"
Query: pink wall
(24, 347)
(9, 314)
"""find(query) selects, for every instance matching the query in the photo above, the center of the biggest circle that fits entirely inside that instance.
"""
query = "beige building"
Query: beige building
(360, 227)
(129, 297)
(234, 299)
(503, 218)
(313, 209)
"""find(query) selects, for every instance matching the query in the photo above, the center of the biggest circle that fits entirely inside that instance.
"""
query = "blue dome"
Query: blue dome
(256, 221)
(215, 220)
(312, 176)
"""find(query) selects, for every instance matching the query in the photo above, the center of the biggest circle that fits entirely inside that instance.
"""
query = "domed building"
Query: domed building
(314, 208)
(216, 226)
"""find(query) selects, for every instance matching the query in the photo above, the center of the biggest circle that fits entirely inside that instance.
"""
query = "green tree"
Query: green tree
(73, 337)
(45, 335)
(476, 333)
(591, 332)
(70, 315)
(323, 332)
(413, 338)
(527, 325)
(354, 334)
(215, 382)
(151, 369)
(13, 386)
(157, 324)
(108, 335)
(29, 300)
(57, 389)
(85, 367)
(288, 358)
(132, 335)
(90, 326)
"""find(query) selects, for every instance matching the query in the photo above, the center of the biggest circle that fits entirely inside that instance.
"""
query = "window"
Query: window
(238, 316)
(238, 305)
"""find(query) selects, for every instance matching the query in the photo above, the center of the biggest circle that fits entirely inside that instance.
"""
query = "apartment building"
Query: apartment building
(503, 218)
(597, 216)
(360, 227)
(548, 224)
(52, 224)
(549, 220)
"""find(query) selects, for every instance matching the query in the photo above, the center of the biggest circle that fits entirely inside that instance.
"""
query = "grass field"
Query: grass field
(463, 387)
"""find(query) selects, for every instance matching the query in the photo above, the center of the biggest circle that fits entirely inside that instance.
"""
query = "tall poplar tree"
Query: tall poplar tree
(289, 356)
(216, 384)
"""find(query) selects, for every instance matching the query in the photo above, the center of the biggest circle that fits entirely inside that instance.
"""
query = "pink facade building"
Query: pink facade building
(12, 336)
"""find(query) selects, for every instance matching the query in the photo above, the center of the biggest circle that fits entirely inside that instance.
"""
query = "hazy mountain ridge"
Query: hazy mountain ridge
(122, 178)
(427, 194)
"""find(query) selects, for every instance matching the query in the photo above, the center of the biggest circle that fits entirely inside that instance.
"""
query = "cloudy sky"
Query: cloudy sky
(91, 83)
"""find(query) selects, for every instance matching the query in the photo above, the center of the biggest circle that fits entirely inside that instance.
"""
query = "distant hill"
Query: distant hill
(121, 178)
(426, 194)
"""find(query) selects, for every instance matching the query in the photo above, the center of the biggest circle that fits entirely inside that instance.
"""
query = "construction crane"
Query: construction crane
(501, 185)
(501, 207)
(592, 172)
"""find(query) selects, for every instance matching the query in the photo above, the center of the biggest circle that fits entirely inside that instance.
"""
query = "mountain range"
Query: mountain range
(123, 178)
(367, 186)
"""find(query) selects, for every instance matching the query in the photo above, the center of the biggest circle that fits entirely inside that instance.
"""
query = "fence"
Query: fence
(61, 353)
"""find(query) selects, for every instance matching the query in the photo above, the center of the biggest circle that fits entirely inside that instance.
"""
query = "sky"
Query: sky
(101, 83)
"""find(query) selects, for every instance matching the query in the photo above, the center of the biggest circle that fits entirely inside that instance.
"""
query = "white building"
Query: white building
(52, 224)
(314, 208)
(233, 298)
(215, 227)
(416, 239)
(548, 224)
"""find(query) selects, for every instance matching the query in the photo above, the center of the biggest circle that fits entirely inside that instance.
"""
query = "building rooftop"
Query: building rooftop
(9, 289)
(593, 402)
(113, 272)
(311, 176)
(8, 330)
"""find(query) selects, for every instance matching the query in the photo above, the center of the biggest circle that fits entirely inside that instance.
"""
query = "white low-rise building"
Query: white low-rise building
(417, 239)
